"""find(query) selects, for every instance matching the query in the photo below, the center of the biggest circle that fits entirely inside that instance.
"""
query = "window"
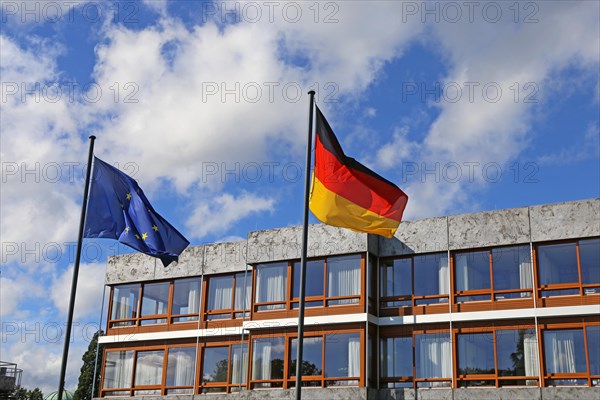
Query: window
(312, 360)
(220, 295)
(242, 295)
(517, 353)
(267, 362)
(155, 302)
(167, 302)
(148, 372)
(593, 344)
(125, 305)
(181, 363)
(118, 368)
(315, 284)
(239, 366)
(433, 355)
(271, 284)
(504, 272)
(342, 359)
(476, 357)
(215, 368)
(397, 361)
(414, 281)
(343, 280)
(561, 265)
(186, 300)
(565, 357)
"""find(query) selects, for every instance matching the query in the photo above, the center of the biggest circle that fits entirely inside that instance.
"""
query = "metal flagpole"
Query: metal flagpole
(63, 367)
(304, 251)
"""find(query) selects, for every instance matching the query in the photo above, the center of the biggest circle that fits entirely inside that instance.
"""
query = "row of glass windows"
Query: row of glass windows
(571, 268)
(329, 360)
(501, 357)
(493, 274)
(333, 281)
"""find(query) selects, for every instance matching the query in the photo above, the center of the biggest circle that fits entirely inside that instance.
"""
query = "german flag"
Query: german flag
(347, 194)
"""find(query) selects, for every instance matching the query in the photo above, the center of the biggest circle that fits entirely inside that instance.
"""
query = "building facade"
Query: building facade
(501, 304)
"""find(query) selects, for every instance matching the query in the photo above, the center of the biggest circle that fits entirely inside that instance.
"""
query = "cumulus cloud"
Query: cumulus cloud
(90, 286)
(225, 210)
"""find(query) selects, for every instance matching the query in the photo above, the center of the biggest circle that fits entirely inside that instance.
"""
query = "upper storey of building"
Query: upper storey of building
(533, 224)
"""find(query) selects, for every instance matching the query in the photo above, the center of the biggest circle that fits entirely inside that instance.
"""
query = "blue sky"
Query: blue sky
(466, 107)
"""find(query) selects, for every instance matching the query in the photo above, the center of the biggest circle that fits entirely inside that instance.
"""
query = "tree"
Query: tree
(86, 376)
(24, 394)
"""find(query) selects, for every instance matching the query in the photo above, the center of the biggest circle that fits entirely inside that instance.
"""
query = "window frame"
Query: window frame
(556, 287)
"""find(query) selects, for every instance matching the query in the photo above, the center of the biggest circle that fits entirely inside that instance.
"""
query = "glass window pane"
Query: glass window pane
(517, 352)
(220, 292)
(593, 339)
(156, 298)
(243, 290)
(215, 364)
(433, 355)
(343, 277)
(181, 364)
(312, 350)
(342, 355)
(149, 367)
(396, 277)
(271, 284)
(431, 274)
(117, 369)
(511, 268)
(476, 353)
(564, 351)
(239, 363)
(472, 270)
(267, 358)
(589, 253)
(557, 263)
(186, 297)
(396, 357)
(314, 279)
(125, 301)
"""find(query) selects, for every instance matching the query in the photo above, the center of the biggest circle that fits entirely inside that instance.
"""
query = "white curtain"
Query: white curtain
(183, 362)
(123, 308)
(193, 299)
(261, 361)
(148, 368)
(119, 365)
(434, 357)
(343, 279)
(462, 273)
(443, 277)
(561, 358)
(353, 357)
(243, 289)
(270, 285)
(239, 363)
(530, 356)
(219, 293)
(525, 281)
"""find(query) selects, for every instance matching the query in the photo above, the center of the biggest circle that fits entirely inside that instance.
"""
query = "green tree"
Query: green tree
(86, 376)
(24, 394)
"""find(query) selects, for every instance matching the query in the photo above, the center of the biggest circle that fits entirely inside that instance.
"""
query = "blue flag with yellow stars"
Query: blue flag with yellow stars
(118, 209)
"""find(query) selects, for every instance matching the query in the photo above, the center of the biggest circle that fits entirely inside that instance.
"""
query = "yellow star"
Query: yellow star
(137, 236)
(127, 229)
(128, 196)
(155, 228)
(144, 235)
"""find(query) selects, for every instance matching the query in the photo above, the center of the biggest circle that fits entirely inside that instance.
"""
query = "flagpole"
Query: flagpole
(63, 367)
(300, 339)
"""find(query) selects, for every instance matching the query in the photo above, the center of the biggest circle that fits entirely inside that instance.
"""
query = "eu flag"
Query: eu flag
(118, 209)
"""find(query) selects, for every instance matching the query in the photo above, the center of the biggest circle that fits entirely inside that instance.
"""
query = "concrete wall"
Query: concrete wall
(495, 228)
(491, 228)
(504, 393)
(194, 261)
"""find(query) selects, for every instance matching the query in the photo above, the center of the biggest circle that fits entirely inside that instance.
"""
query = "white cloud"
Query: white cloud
(397, 151)
(224, 211)
(90, 286)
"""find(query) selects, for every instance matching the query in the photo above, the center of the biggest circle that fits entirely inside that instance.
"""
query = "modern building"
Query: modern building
(10, 378)
(492, 305)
